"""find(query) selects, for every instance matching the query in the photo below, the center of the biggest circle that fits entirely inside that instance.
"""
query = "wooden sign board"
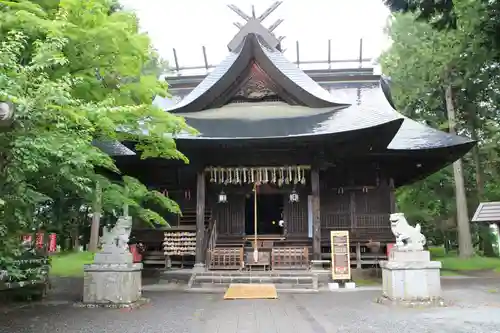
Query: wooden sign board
(341, 261)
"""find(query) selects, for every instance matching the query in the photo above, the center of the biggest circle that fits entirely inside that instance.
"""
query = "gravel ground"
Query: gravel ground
(475, 307)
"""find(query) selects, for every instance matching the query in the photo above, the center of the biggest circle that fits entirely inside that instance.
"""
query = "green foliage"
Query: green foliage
(70, 264)
(440, 14)
(439, 44)
(477, 263)
(437, 252)
(77, 72)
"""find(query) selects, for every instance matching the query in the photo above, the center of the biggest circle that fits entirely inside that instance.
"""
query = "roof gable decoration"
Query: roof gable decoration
(256, 87)
(254, 25)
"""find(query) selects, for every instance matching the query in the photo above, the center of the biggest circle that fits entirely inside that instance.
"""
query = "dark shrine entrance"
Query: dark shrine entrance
(269, 213)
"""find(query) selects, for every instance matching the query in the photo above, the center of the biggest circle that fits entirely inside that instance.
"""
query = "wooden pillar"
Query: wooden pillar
(358, 255)
(200, 218)
(316, 214)
(352, 212)
(392, 196)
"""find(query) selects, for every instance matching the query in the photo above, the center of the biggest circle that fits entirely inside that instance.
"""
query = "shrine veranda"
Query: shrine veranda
(324, 149)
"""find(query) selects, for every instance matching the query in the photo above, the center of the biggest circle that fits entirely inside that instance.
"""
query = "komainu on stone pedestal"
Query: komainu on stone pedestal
(409, 277)
(408, 238)
(113, 278)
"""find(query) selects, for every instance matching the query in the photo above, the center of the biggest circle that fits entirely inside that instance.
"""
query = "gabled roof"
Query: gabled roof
(487, 212)
(221, 84)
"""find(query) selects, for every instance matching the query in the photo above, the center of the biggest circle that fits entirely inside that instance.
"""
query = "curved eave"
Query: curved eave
(288, 76)
(277, 119)
(414, 136)
(356, 141)
(409, 166)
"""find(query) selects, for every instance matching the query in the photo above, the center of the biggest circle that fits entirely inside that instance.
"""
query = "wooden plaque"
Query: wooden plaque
(341, 261)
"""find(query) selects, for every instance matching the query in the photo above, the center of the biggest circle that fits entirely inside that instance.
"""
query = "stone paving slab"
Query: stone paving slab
(475, 308)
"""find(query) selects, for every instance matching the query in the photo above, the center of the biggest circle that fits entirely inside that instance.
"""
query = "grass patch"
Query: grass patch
(454, 263)
(70, 264)
(449, 273)
(367, 282)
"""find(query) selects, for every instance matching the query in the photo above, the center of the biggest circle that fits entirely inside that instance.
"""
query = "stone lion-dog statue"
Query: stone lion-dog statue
(408, 238)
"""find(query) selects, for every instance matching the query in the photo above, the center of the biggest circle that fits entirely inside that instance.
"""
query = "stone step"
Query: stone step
(218, 289)
(257, 273)
(256, 279)
(278, 286)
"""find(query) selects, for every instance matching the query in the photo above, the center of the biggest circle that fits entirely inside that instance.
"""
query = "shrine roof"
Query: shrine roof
(289, 81)
(268, 120)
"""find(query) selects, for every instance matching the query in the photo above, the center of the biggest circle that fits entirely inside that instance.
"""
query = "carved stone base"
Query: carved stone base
(137, 304)
(415, 303)
(113, 257)
(410, 256)
(112, 283)
(411, 278)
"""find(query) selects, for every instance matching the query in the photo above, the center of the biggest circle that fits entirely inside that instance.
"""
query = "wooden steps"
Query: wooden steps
(188, 218)
(283, 280)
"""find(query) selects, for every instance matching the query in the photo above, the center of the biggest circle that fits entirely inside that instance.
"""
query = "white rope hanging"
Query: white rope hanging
(260, 175)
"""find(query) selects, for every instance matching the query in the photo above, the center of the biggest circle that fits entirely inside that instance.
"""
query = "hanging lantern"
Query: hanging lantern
(294, 196)
(222, 197)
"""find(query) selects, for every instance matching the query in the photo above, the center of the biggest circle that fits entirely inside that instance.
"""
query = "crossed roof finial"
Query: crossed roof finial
(254, 25)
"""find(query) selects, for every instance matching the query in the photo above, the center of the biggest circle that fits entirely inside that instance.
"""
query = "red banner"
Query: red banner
(52, 242)
(389, 249)
(39, 240)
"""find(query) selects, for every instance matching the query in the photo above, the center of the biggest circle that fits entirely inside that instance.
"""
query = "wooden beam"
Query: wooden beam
(275, 25)
(176, 61)
(316, 214)
(240, 13)
(270, 10)
(392, 196)
(205, 57)
(360, 52)
(200, 217)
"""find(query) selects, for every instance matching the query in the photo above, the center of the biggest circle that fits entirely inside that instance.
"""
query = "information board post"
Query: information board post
(341, 261)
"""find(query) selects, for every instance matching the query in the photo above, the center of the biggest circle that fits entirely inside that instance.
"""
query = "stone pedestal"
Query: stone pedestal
(112, 283)
(113, 278)
(411, 277)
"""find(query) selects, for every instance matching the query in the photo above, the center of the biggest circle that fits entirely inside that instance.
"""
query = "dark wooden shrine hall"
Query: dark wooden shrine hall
(278, 162)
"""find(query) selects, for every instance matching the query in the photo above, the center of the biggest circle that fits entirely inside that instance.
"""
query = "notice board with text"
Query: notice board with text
(341, 262)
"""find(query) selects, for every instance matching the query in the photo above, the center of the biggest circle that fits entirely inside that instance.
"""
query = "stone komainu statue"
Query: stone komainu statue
(118, 236)
(408, 238)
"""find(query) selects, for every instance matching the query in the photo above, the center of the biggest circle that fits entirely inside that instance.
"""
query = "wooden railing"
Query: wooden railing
(342, 221)
(290, 258)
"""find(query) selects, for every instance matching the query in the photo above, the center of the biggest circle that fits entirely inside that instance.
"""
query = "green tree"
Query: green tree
(432, 67)
(76, 72)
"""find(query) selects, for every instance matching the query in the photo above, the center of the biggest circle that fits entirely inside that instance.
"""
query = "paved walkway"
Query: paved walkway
(475, 308)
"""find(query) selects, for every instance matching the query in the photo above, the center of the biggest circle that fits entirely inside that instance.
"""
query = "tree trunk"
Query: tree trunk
(477, 165)
(464, 233)
(76, 238)
(96, 220)
(473, 126)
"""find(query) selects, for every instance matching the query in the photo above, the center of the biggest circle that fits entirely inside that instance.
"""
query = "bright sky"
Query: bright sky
(187, 25)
